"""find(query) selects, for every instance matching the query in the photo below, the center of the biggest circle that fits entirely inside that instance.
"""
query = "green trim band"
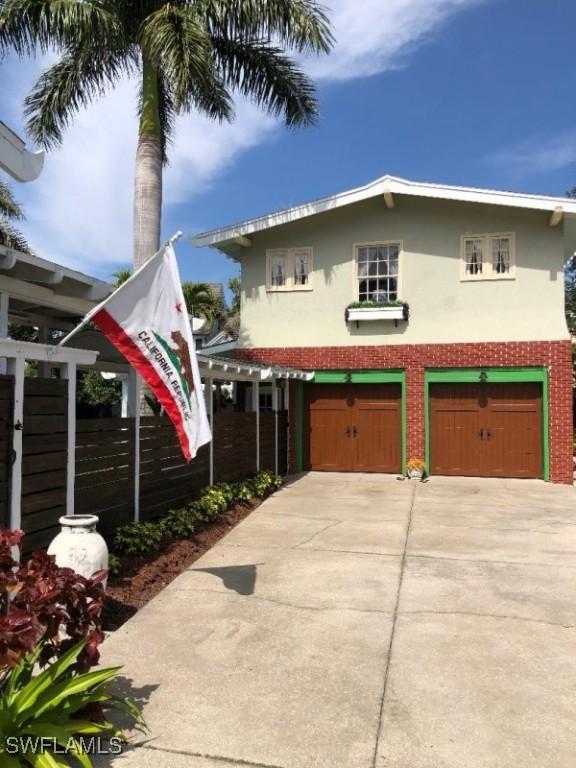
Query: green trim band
(490, 376)
(359, 377)
(350, 377)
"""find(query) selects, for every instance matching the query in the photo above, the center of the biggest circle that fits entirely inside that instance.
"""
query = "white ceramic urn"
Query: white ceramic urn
(79, 545)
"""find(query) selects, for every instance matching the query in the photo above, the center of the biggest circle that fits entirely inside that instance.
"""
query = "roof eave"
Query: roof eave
(225, 239)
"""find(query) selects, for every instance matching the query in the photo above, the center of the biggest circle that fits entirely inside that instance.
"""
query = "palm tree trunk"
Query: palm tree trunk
(148, 172)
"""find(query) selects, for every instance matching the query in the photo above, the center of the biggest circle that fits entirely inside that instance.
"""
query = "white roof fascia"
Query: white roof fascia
(389, 184)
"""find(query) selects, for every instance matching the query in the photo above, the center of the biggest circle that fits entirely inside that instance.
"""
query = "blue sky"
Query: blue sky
(472, 92)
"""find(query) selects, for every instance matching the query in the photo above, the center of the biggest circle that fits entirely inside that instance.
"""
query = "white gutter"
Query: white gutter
(15, 159)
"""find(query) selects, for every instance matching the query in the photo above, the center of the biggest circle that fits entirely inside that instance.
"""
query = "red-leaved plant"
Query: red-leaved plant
(41, 602)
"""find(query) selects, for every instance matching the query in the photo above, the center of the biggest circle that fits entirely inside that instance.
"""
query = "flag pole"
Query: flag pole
(176, 236)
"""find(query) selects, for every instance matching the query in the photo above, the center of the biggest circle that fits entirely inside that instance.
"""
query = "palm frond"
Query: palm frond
(271, 79)
(303, 25)
(176, 40)
(60, 92)
(9, 208)
(11, 237)
(26, 25)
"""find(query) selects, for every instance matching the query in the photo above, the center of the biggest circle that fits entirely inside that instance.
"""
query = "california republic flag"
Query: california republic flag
(146, 319)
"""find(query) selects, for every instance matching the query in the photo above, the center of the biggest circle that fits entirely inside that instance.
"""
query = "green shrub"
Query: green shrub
(227, 491)
(141, 538)
(51, 704)
(178, 523)
(243, 491)
(265, 483)
(114, 564)
(138, 538)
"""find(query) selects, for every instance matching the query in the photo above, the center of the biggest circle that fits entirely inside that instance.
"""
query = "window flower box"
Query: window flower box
(367, 311)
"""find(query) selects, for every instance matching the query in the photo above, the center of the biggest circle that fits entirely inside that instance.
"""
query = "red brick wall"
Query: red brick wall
(415, 358)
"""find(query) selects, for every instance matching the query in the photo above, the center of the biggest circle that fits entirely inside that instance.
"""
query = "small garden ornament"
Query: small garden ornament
(416, 469)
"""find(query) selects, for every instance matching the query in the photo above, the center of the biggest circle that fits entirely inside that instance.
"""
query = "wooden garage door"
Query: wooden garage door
(486, 430)
(354, 427)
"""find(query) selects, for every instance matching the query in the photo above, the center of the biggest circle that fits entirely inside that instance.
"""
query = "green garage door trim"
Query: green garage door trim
(490, 376)
(349, 377)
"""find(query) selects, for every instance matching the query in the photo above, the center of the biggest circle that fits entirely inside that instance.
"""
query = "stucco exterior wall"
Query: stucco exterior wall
(443, 309)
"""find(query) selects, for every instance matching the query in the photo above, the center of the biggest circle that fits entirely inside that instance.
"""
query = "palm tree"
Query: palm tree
(202, 301)
(10, 211)
(120, 276)
(187, 55)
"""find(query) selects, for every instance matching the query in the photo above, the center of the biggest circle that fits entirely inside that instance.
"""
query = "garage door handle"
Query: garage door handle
(347, 431)
(481, 434)
(488, 435)
(355, 431)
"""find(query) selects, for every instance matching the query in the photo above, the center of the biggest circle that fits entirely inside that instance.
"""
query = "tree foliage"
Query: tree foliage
(10, 212)
(235, 286)
(200, 52)
(202, 301)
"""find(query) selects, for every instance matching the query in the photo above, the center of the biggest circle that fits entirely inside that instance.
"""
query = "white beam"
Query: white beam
(8, 260)
(29, 350)
(209, 397)
(134, 409)
(275, 399)
(16, 369)
(556, 216)
(69, 373)
(256, 408)
(44, 296)
(15, 159)
(4, 312)
(389, 199)
(53, 278)
(243, 241)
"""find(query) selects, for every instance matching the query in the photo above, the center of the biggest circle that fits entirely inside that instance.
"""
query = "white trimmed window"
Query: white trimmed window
(488, 257)
(289, 269)
(377, 272)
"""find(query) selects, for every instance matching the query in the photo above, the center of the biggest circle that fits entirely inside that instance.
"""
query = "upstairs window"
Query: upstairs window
(488, 257)
(289, 269)
(377, 270)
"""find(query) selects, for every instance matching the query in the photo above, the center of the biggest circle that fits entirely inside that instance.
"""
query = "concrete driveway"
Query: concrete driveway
(357, 621)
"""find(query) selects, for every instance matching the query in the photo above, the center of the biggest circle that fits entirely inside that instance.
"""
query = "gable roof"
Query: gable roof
(392, 185)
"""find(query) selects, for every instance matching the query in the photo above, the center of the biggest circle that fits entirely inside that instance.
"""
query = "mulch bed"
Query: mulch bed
(142, 577)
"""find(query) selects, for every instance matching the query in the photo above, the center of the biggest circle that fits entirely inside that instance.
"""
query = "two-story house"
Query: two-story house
(433, 317)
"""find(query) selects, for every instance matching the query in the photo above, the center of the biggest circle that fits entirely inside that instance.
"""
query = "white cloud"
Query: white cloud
(80, 210)
(377, 35)
(538, 154)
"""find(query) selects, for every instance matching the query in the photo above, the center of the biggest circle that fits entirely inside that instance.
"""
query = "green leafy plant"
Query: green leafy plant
(142, 538)
(265, 483)
(243, 491)
(179, 523)
(56, 705)
(375, 304)
(135, 538)
(114, 564)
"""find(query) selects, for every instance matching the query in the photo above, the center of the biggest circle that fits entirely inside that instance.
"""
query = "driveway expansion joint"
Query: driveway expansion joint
(221, 758)
(481, 615)
(393, 628)
(284, 604)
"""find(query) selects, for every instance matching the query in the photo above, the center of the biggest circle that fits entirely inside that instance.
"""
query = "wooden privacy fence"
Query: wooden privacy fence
(105, 476)
(110, 474)
(104, 482)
